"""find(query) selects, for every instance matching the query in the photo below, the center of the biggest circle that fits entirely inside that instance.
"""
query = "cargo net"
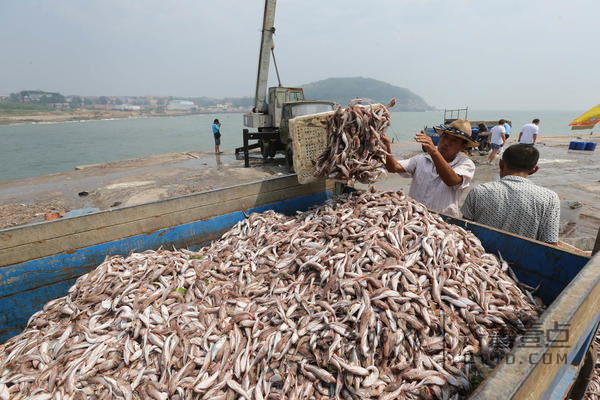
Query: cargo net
(309, 140)
(369, 296)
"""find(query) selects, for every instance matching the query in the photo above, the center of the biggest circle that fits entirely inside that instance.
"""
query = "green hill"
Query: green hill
(342, 90)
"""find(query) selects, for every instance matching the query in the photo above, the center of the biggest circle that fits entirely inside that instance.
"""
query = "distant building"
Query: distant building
(59, 106)
(33, 97)
(37, 96)
(181, 105)
(126, 107)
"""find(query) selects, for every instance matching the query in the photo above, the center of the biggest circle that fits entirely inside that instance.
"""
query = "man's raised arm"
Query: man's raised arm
(444, 169)
(390, 164)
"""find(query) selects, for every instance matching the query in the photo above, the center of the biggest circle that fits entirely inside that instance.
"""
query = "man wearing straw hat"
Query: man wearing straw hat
(440, 176)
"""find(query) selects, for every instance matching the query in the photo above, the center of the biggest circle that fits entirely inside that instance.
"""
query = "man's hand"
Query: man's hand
(386, 143)
(426, 141)
(390, 164)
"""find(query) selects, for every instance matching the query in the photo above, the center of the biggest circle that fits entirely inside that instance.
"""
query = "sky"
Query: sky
(505, 55)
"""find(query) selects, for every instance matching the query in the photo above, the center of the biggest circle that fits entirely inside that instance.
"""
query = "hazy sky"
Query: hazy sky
(540, 54)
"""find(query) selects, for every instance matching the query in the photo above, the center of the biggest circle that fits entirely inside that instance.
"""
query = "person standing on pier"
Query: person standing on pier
(216, 129)
(507, 129)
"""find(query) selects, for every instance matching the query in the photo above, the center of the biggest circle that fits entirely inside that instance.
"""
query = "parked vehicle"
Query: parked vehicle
(479, 134)
(270, 119)
(39, 263)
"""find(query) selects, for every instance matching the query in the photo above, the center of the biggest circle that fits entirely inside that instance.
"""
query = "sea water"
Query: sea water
(28, 150)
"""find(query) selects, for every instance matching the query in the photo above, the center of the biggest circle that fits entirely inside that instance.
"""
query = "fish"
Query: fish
(366, 296)
(593, 389)
(355, 150)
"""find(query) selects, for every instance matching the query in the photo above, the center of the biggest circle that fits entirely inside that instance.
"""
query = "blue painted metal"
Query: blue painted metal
(563, 385)
(16, 310)
(532, 262)
(553, 269)
(28, 286)
(585, 342)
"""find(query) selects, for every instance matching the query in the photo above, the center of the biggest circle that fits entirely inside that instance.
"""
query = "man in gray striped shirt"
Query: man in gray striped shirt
(514, 203)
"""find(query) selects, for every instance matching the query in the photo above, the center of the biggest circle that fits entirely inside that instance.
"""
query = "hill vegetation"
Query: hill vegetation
(13, 108)
(342, 90)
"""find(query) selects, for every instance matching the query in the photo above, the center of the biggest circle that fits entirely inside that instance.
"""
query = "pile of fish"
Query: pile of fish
(593, 389)
(355, 151)
(368, 296)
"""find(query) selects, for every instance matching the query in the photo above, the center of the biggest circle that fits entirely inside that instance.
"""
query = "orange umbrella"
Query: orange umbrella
(587, 120)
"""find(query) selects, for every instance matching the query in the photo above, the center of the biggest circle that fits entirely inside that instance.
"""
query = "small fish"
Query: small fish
(368, 295)
(355, 150)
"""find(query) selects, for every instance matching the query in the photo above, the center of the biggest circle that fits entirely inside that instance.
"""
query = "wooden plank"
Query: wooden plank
(46, 230)
(70, 242)
(535, 370)
(578, 313)
(66, 265)
(573, 249)
(88, 230)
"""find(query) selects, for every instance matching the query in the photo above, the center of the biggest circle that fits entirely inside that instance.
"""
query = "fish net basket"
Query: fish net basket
(309, 141)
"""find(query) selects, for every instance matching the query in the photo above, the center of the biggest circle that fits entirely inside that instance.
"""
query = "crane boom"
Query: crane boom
(284, 103)
(266, 44)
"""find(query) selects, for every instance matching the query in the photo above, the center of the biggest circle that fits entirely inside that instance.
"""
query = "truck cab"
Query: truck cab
(297, 109)
(283, 104)
(278, 96)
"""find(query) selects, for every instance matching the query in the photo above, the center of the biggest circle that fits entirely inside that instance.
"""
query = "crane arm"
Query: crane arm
(266, 44)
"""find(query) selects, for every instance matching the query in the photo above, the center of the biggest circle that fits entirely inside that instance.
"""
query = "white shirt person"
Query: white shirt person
(497, 135)
(497, 139)
(529, 132)
(430, 189)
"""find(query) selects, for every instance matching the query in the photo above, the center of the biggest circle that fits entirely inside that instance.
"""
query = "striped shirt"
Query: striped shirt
(516, 205)
(428, 188)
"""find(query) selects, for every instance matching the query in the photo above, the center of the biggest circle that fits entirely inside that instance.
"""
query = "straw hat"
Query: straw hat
(460, 128)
